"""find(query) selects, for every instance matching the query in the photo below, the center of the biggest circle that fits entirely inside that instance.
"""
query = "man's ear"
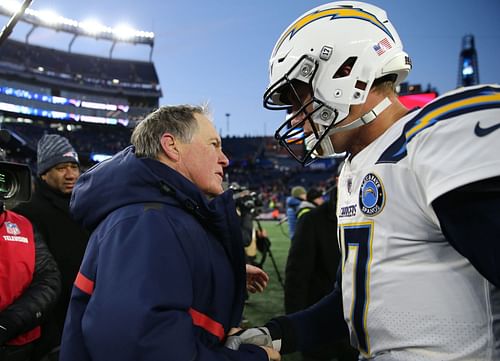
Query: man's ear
(170, 146)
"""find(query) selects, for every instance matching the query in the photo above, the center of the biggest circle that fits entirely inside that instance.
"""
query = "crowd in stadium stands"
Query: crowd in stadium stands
(87, 140)
(78, 66)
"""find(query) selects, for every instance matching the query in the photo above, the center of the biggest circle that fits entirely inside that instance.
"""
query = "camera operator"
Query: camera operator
(246, 207)
(248, 232)
(30, 281)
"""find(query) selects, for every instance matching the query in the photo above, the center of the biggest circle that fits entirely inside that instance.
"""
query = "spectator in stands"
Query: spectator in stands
(163, 277)
(297, 195)
(314, 198)
(58, 171)
(311, 270)
(29, 284)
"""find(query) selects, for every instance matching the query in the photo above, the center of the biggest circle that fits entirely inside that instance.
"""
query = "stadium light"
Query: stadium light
(92, 27)
(124, 32)
(15, 14)
(51, 20)
(11, 6)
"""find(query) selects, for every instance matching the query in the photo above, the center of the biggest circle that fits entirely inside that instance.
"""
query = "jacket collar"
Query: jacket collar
(55, 197)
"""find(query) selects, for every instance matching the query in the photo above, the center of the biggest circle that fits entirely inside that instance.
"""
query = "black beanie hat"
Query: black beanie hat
(313, 193)
(53, 149)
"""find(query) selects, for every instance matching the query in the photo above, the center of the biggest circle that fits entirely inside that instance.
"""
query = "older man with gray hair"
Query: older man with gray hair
(163, 277)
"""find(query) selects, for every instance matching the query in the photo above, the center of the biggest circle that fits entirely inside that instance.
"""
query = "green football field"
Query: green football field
(263, 306)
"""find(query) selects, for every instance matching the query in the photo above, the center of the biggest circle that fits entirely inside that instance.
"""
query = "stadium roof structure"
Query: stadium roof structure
(94, 30)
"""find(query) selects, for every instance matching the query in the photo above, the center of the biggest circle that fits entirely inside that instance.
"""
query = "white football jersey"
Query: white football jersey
(407, 293)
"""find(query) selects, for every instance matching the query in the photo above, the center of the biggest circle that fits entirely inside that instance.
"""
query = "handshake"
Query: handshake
(260, 336)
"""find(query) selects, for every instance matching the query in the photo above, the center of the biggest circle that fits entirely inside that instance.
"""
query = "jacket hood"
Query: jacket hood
(125, 179)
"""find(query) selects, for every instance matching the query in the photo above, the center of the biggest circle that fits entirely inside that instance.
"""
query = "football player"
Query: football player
(419, 194)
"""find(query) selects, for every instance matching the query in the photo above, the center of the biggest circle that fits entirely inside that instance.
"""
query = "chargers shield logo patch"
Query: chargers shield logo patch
(371, 195)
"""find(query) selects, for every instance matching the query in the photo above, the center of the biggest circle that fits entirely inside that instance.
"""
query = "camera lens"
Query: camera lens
(8, 184)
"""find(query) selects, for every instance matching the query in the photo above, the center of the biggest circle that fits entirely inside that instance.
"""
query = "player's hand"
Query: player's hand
(234, 330)
(272, 354)
(259, 336)
(257, 279)
(261, 233)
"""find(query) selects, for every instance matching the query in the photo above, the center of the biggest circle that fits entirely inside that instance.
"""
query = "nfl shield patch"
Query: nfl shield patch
(12, 228)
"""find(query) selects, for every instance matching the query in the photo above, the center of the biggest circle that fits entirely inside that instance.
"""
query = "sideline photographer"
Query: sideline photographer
(256, 278)
(30, 281)
(248, 206)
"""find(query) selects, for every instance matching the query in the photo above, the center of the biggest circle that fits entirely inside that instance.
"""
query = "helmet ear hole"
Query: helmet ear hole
(346, 68)
(361, 85)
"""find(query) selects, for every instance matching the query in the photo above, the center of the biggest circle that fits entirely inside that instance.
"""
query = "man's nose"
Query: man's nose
(298, 118)
(71, 173)
(224, 160)
(307, 128)
(306, 125)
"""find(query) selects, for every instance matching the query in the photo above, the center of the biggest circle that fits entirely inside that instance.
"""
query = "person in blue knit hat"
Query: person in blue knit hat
(57, 162)
(58, 169)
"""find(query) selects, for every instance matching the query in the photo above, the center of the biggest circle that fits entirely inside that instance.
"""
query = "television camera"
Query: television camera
(246, 200)
(15, 182)
(15, 178)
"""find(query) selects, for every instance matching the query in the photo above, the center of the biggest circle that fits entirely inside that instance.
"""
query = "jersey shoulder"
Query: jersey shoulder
(442, 111)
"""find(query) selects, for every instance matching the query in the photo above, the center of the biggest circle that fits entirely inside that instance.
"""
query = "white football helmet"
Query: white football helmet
(338, 50)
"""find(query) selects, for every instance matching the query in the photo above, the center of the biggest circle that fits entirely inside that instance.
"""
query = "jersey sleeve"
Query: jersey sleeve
(469, 219)
(453, 151)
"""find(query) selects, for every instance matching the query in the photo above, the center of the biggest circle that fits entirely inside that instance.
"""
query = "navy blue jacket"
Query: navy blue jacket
(163, 275)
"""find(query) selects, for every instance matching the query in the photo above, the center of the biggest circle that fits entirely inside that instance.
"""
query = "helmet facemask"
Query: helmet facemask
(289, 92)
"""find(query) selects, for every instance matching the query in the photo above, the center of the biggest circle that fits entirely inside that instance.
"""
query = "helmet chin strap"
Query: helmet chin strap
(365, 119)
(326, 144)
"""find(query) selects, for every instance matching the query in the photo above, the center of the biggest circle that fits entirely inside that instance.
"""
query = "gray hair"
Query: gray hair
(179, 120)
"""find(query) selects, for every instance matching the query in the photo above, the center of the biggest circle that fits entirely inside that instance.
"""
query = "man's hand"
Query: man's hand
(272, 354)
(257, 279)
(259, 336)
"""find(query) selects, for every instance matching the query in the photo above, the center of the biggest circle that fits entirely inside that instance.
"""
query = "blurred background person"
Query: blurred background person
(314, 198)
(297, 195)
